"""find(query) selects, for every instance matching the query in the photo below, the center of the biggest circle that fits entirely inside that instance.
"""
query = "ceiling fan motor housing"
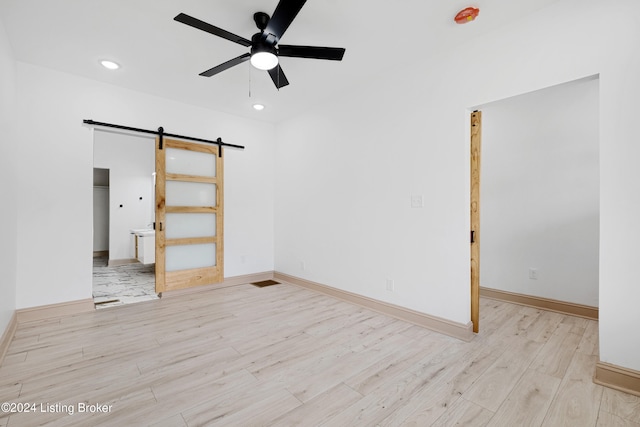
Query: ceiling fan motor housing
(261, 44)
(262, 20)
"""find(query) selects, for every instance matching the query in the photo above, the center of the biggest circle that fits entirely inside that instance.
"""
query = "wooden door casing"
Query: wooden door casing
(476, 144)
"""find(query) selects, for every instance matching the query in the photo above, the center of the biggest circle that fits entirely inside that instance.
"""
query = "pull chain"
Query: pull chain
(249, 82)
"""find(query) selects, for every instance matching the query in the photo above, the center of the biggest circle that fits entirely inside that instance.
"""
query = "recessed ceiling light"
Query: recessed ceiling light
(109, 65)
(258, 107)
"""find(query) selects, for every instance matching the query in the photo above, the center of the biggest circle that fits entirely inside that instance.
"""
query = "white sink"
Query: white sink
(142, 232)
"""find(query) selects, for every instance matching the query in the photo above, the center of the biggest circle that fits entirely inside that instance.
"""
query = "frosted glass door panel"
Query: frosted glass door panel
(186, 257)
(187, 162)
(185, 225)
(179, 193)
(190, 212)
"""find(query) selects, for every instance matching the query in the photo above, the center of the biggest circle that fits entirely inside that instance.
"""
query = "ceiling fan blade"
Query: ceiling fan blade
(278, 77)
(283, 16)
(231, 63)
(201, 25)
(316, 52)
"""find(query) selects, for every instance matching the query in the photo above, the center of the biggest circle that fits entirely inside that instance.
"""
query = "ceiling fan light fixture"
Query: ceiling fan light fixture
(263, 57)
(264, 60)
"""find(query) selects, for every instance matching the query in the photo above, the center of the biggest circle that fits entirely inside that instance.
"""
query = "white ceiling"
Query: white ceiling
(162, 57)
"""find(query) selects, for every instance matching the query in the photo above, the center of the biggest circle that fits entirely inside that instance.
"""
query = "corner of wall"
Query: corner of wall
(8, 194)
(7, 336)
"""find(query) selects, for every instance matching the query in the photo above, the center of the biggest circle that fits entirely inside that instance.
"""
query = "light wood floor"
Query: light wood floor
(281, 355)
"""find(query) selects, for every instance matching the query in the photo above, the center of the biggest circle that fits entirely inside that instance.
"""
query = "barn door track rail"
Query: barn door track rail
(161, 133)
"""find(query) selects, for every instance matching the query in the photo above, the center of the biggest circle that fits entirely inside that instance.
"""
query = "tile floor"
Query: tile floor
(124, 284)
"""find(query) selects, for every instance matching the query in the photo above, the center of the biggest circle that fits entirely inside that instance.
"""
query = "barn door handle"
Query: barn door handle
(473, 236)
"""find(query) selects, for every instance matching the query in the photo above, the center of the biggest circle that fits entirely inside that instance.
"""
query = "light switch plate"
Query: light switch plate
(391, 286)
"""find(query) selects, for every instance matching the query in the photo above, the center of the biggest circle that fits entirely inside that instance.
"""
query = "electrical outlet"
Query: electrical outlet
(533, 273)
(391, 287)
(417, 201)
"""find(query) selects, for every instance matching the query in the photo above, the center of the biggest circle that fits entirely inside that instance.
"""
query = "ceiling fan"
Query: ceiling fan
(265, 49)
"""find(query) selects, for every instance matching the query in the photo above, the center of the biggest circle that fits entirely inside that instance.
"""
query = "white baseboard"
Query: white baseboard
(447, 327)
(7, 336)
(52, 311)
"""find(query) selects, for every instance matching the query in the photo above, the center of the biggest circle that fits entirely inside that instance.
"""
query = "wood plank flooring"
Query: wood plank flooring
(285, 356)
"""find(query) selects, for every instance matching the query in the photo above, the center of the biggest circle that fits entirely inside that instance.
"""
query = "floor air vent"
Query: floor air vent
(265, 283)
(107, 302)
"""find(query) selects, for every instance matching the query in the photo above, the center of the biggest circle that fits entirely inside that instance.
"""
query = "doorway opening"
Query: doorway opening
(124, 212)
(539, 199)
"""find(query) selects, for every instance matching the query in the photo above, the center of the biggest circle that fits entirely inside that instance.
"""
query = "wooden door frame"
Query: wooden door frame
(476, 145)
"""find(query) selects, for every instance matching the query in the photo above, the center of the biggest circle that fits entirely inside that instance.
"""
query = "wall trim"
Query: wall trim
(444, 326)
(543, 303)
(617, 377)
(7, 336)
(228, 282)
(98, 254)
(52, 311)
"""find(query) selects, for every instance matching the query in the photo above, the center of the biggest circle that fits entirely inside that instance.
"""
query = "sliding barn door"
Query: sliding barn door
(189, 240)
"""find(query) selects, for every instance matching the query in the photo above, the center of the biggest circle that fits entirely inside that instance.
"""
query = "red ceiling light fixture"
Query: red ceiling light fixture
(467, 14)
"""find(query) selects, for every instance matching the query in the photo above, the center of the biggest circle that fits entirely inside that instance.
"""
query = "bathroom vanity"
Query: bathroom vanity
(144, 245)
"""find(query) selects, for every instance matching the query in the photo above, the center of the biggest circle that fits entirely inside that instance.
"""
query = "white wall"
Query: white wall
(346, 170)
(131, 163)
(8, 159)
(540, 193)
(55, 185)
